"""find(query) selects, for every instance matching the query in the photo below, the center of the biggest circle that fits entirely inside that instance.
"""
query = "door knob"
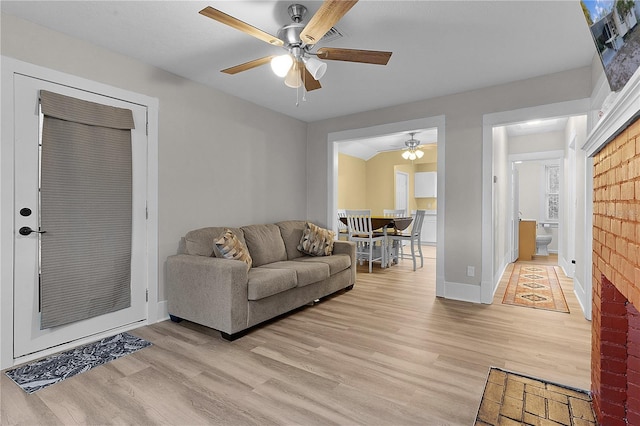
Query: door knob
(25, 230)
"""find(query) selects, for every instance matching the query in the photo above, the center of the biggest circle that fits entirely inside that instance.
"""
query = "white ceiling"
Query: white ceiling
(537, 126)
(439, 47)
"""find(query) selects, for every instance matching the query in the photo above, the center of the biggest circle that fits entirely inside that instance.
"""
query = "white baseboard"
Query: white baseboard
(581, 294)
(500, 273)
(462, 292)
(497, 278)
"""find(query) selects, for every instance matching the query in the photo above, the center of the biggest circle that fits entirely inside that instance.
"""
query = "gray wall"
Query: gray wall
(463, 162)
(222, 161)
(226, 161)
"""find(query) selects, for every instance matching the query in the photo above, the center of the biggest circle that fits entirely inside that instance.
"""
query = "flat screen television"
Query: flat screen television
(616, 33)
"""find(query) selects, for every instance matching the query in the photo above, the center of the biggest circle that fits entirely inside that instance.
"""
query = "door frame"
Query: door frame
(11, 67)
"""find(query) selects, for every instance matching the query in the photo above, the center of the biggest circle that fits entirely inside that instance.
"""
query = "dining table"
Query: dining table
(385, 224)
(397, 223)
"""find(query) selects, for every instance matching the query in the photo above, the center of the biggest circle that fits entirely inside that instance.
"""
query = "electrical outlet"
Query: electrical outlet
(471, 271)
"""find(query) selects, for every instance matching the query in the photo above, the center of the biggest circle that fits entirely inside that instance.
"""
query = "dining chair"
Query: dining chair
(342, 227)
(391, 248)
(413, 237)
(394, 212)
(361, 232)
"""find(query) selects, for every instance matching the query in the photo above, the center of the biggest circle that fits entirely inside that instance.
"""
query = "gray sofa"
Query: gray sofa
(227, 296)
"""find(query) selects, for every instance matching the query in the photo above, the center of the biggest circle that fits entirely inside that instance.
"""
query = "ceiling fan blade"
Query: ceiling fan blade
(326, 17)
(229, 20)
(375, 57)
(310, 83)
(248, 65)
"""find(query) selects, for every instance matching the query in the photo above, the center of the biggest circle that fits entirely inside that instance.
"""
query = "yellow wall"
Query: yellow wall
(371, 184)
(352, 182)
(381, 182)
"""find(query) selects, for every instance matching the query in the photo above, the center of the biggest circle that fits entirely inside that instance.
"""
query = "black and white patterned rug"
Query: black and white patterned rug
(48, 371)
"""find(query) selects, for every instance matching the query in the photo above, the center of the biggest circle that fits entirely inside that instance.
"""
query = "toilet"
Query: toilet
(542, 241)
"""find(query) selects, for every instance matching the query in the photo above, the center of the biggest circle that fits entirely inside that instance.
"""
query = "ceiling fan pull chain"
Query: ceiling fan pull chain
(304, 85)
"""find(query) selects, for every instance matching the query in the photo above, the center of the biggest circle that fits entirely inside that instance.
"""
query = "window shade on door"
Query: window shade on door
(85, 209)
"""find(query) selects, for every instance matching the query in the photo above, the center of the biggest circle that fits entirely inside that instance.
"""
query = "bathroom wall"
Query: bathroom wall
(532, 184)
(540, 142)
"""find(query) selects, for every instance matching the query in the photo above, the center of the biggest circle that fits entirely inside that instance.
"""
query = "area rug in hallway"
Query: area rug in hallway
(48, 371)
(514, 399)
(535, 286)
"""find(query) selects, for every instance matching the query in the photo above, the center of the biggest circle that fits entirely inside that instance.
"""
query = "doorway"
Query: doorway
(497, 159)
(533, 200)
(437, 122)
(402, 192)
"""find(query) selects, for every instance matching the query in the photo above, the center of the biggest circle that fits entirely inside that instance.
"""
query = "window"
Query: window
(552, 192)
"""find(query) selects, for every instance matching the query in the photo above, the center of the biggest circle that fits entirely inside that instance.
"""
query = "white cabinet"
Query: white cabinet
(429, 229)
(425, 184)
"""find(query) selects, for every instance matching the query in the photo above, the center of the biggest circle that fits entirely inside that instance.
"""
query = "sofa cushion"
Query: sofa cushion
(291, 231)
(264, 243)
(336, 262)
(264, 282)
(316, 241)
(201, 242)
(306, 272)
(231, 247)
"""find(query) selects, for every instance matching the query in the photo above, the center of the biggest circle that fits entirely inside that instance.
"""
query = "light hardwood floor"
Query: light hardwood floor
(387, 352)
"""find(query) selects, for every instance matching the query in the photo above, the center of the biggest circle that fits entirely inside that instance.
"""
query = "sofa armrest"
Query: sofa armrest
(347, 247)
(208, 291)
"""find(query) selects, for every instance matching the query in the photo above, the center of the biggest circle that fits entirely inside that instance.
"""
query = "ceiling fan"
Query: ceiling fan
(300, 66)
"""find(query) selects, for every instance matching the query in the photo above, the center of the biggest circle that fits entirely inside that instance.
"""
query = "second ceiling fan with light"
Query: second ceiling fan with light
(300, 66)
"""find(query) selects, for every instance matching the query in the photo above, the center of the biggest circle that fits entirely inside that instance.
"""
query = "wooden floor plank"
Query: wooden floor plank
(387, 352)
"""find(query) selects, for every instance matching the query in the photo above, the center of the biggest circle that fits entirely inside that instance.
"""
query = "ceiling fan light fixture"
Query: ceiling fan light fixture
(412, 152)
(293, 78)
(316, 67)
(281, 64)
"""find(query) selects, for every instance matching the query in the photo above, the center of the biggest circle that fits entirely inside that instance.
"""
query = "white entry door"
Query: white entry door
(28, 337)
(402, 192)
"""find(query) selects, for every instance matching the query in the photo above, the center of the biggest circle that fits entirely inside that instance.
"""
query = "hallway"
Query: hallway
(575, 314)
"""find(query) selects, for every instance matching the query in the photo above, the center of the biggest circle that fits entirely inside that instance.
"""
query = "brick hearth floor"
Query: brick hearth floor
(512, 399)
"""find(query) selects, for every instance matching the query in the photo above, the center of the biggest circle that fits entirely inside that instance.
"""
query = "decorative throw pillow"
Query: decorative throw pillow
(316, 241)
(231, 247)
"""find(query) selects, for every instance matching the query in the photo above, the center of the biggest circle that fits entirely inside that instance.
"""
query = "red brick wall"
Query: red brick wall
(633, 366)
(615, 366)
